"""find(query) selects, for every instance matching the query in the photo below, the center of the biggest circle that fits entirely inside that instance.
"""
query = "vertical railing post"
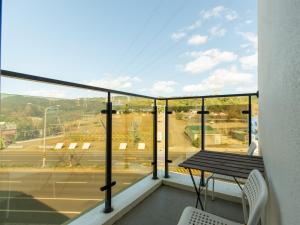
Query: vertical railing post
(250, 119)
(167, 161)
(202, 135)
(108, 207)
(154, 163)
(108, 162)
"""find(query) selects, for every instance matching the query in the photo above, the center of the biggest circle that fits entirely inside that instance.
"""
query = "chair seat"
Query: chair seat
(193, 216)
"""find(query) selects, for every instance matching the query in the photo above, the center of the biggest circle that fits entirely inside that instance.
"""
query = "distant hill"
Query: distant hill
(3, 95)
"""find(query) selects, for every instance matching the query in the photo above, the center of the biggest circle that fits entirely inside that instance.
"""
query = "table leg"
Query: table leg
(196, 189)
(199, 187)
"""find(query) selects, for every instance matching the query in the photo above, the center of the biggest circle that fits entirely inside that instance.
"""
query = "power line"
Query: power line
(162, 53)
(141, 32)
(156, 58)
(156, 35)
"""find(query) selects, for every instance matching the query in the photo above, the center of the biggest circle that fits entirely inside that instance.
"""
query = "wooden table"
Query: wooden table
(229, 164)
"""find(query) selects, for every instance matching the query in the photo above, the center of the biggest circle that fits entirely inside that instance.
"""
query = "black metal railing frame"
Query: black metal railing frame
(203, 112)
(109, 121)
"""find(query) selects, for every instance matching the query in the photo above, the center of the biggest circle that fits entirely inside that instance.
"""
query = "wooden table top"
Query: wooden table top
(229, 164)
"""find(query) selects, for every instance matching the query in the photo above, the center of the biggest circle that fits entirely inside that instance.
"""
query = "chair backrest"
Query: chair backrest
(251, 148)
(255, 189)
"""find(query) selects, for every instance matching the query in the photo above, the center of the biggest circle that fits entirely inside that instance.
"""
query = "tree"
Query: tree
(2, 143)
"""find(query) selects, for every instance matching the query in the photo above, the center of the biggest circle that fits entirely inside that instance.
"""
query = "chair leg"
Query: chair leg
(213, 189)
(206, 190)
(245, 210)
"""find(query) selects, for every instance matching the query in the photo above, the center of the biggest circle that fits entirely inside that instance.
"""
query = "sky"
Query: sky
(157, 47)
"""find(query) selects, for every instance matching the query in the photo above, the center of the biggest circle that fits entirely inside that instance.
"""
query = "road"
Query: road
(64, 158)
(32, 194)
(41, 197)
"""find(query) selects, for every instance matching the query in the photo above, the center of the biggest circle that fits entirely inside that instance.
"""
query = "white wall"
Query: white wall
(279, 87)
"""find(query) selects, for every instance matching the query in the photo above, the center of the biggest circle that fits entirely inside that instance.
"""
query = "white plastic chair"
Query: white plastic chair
(255, 191)
(251, 149)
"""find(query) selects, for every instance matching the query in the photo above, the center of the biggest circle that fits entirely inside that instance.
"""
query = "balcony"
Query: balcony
(72, 153)
(68, 159)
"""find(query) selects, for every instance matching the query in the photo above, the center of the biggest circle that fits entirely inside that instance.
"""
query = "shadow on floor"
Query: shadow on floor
(165, 205)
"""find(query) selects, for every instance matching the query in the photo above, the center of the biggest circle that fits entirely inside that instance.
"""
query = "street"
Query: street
(40, 197)
(60, 191)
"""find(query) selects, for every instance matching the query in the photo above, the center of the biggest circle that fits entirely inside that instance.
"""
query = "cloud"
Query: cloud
(219, 12)
(163, 87)
(214, 12)
(48, 93)
(220, 79)
(178, 35)
(181, 33)
(247, 89)
(251, 38)
(218, 31)
(115, 82)
(194, 25)
(249, 62)
(207, 60)
(197, 40)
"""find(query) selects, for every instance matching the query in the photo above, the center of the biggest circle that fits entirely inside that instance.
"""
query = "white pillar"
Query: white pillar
(279, 117)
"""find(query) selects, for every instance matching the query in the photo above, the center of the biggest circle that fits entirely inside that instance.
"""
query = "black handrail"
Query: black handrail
(23, 76)
(208, 96)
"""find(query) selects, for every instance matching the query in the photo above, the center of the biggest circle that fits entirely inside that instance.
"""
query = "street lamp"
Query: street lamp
(45, 124)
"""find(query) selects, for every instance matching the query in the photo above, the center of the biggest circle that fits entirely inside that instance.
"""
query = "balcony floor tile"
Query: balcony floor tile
(165, 205)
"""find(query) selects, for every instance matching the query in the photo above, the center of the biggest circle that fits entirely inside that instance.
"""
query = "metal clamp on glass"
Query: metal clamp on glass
(104, 111)
(106, 187)
(202, 112)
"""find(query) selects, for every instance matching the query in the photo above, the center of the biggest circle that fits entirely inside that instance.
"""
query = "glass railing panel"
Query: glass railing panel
(52, 152)
(161, 134)
(184, 131)
(226, 127)
(132, 140)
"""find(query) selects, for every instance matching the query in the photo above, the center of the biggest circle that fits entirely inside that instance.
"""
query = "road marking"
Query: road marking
(127, 183)
(39, 211)
(71, 182)
(10, 181)
(48, 198)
